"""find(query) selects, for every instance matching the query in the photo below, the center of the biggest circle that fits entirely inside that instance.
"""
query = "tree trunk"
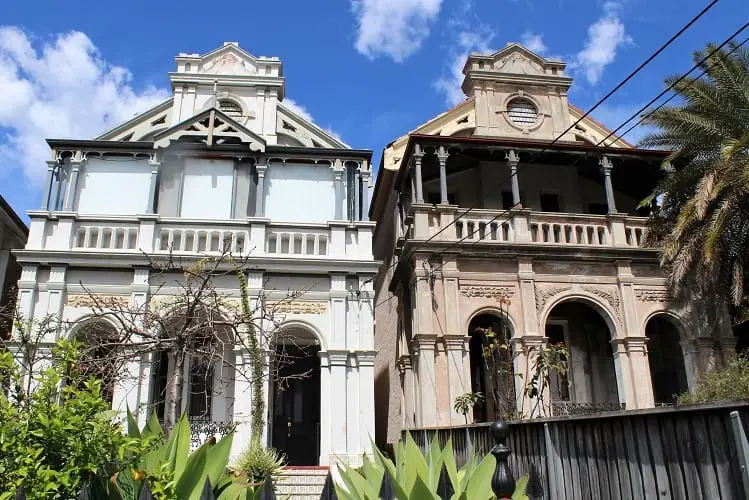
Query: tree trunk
(174, 386)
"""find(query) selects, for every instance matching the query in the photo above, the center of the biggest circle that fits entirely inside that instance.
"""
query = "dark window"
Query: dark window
(598, 208)
(560, 387)
(436, 198)
(550, 202)
(201, 389)
(353, 185)
(507, 200)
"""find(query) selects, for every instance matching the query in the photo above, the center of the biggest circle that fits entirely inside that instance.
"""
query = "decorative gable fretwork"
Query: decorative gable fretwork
(211, 127)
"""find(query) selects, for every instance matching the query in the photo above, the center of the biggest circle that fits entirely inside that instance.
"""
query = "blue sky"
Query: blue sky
(369, 70)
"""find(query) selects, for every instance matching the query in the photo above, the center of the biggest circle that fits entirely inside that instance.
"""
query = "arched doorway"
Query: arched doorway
(492, 370)
(590, 383)
(666, 359)
(207, 372)
(295, 402)
(98, 358)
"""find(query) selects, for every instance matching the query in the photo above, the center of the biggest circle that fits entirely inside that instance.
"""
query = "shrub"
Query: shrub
(727, 384)
(60, 435)
(258, 462)
(414, 476)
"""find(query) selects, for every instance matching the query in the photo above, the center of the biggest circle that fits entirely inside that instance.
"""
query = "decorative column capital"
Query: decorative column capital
(606, 165)
(337, 358)
(424, 342)
(404, 364)
(365, 358)
(512, 158)
(456, 342)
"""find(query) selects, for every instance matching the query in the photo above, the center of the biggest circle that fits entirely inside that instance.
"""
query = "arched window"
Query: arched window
(98, 357)
(492, 370)
(230, 108)
(522, 112)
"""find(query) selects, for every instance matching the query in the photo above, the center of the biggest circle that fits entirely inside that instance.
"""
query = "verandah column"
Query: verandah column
(606, 168)
(442, 157)
(418, 155)
(260, 196)
(512, 161)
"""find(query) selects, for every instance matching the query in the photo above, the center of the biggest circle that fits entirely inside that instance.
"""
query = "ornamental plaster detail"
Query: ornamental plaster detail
(610, 295)
(101, 301)
(489, 292)
(652, 295)
(299, 307)
(545, 292)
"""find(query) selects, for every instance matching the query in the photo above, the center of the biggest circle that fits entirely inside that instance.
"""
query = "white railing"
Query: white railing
(634, 232)
(105, 237)
(201, 240)
(484, 229)
(567, 229)
(293, 242)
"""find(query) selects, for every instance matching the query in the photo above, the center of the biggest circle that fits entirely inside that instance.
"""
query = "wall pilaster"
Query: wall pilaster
(408, 395)
(459, 378)
(424, 346)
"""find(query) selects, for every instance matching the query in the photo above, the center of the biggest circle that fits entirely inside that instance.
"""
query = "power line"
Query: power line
(582, 117)
(669, 88)
(587, 113)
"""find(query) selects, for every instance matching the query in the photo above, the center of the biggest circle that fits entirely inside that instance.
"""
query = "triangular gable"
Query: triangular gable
(211, 127)
(307, 133)
(458, 120)
(592, 131)
(141, 126)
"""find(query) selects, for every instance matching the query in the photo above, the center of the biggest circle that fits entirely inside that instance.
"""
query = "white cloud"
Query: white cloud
(302, 111)
(533, 42)
(63, 89)
(470, 37)
(605, 37)
(394, 28)
(297, 108)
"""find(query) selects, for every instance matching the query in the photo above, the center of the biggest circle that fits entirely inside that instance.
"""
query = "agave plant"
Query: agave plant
(414, 476)
(169, 470)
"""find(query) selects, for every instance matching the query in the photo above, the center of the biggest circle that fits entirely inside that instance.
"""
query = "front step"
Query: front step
(301, 483)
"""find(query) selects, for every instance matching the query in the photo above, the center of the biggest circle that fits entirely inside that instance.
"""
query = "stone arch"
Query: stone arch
(497, 311)
(98, 337)
(305, 326)
(295, 406)
(603, 307)
(585, 324)
(492, 368)
(675, 319)
(668, 371)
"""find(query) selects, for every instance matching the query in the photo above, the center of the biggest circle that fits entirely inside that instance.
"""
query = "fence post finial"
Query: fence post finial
(503, 484)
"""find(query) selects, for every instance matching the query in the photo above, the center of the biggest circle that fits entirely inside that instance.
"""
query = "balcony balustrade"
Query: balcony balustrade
(155, 235)
(444, 223)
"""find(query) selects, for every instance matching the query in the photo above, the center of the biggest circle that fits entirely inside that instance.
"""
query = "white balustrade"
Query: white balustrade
(568, 229)
(105, 237)
(201, 240)
(297, 242)
(635, 231)
(486, 228)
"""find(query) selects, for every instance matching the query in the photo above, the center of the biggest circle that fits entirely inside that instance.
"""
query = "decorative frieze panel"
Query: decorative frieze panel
(101, 301)
(489, 292)
(545, 292)
(609, 294)
(299, 307)
(652, 295)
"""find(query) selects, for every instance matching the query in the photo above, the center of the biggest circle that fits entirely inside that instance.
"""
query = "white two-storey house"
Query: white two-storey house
(221, 161)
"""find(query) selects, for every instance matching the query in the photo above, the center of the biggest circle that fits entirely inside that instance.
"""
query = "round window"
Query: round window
(230, 108)
(522, 112)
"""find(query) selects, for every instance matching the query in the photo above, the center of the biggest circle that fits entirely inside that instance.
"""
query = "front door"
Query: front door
(296, 404)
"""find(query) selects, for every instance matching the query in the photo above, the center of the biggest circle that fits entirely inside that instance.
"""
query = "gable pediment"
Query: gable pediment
(211, 127)
(229, 60)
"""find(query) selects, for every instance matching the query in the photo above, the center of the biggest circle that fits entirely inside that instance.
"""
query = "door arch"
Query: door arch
(492, 367)
(666, 359)
(295, 395)
(590, 383)
(98, 340)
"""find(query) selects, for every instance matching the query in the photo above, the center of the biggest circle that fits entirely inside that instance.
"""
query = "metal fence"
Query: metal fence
(690, 452)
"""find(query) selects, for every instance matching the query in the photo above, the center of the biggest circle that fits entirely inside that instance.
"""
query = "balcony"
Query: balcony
(444, 223)
(151, 234)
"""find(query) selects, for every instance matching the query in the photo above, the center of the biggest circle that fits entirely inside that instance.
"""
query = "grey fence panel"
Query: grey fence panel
(666, 453)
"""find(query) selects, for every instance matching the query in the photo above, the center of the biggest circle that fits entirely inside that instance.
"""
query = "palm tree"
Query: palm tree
(701, 219)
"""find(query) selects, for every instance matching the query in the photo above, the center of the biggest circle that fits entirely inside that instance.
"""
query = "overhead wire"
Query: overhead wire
(643, 118)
